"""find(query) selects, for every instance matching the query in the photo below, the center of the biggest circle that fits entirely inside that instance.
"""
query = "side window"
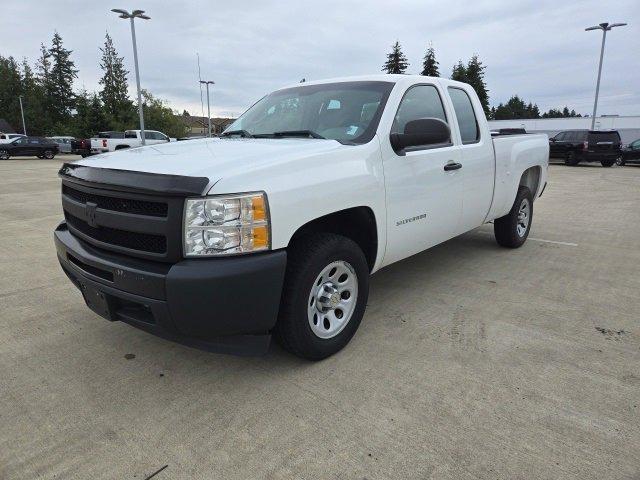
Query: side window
(636, 145)
(561, 136)
(421, 101)
(467, 122)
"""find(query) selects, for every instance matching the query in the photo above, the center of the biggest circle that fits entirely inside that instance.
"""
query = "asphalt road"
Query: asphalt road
(472, 362)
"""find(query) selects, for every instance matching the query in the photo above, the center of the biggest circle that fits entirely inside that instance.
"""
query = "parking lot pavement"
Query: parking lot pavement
(472, 361)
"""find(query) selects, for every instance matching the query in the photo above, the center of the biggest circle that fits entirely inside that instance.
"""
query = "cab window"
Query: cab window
(467, 122)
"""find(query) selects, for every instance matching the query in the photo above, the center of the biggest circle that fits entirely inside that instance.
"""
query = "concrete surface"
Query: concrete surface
(472, 362)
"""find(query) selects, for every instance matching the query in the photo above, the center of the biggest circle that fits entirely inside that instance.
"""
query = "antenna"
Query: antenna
(200, 80)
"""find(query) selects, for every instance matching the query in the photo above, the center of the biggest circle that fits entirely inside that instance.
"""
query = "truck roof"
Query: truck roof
(380, 77)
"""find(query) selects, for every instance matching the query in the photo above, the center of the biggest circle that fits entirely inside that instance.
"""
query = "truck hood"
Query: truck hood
(213, 158)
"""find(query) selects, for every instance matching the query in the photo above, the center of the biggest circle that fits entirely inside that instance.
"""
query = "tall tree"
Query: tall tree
(459, 72)
(396, 60)
(430, 64)
(515, 108)
(10, 89)
(475, 78)
(33, 102)
(115, 90)
(158, 116)
(63, 72)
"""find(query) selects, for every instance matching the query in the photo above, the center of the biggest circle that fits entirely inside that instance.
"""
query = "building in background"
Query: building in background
(629, 127)
(5, 127)
(199, 126)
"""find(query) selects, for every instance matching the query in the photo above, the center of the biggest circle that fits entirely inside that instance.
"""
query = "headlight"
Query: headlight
(223, 225)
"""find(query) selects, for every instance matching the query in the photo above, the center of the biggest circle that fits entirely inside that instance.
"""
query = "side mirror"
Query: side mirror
(552, 139)
(421, 132)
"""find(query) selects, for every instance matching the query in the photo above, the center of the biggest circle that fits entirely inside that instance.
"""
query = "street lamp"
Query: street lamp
(24, 126)
(605, 27)
(133, 15)
(207, 83)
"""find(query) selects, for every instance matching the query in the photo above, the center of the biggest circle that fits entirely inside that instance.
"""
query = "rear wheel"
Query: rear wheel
(4, 155)
(570, 159)
(48, 154)
(607, 163)
(324, 296)
(512, 230)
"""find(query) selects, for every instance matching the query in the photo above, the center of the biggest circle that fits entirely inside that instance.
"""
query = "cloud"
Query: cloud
(537, 49)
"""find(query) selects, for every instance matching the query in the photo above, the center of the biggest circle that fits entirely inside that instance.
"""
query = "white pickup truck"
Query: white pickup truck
(130, 139)
(274, 228)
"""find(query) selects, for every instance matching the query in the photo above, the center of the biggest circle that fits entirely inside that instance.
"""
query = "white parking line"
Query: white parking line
(568, 244)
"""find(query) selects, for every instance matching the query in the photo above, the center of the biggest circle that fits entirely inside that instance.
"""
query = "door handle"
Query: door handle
(452, 166)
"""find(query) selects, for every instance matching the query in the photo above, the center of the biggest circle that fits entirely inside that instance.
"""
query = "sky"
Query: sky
(536, 49)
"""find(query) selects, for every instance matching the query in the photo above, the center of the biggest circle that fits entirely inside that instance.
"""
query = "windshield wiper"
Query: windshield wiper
(298, 133)
(242, 133)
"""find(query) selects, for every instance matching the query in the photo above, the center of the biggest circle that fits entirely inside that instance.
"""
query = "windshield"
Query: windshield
(347, 111)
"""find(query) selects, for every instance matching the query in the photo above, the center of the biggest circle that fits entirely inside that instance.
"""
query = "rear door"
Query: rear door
(478, 159)
(424, 201)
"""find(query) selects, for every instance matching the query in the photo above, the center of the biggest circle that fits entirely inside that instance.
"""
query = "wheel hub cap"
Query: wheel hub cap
(332, 299)
(524, 214)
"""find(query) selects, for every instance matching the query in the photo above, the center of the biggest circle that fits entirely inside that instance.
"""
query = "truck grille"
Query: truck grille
(139, 207)
(142, 242)
(147, 226)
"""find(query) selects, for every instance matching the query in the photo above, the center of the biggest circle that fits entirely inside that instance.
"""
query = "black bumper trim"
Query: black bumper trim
(226, 305)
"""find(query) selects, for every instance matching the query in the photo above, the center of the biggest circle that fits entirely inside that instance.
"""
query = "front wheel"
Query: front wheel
(324, 296)
(4, 155)
(570, 159)
(512, 230)
(48, 154)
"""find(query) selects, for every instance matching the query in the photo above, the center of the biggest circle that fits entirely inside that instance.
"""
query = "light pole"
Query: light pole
(133, 15)
(24, 125)
(605, 27)
(207, 83)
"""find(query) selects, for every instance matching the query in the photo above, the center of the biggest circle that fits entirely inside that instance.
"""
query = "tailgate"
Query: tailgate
(604, 141)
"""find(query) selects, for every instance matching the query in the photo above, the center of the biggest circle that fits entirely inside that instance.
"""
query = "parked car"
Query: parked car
(81, 146)
(7, 137)
(131, 138)
(64, 143)
(274, 228)
(630, 153)
(29, 147)
(575, 146)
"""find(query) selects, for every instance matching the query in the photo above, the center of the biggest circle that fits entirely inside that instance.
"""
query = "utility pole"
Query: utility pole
(605, 27)
(132, 16)
(24, 126)
(207, 83)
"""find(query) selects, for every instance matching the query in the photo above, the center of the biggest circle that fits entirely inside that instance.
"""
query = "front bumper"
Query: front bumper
(226, 305)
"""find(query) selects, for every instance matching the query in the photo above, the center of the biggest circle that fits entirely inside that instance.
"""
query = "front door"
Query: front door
(424, 201)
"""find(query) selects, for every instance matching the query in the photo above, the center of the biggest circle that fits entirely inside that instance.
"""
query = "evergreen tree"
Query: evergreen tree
(430, 64)
(10, 89)
(62, 74)
(459, 72)
(34, 113)
(396, 60)
(515, 108)
(115, 91)
(158, 116)
(475, 78)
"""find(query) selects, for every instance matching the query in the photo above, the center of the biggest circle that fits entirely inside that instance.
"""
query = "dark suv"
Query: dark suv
(29, 147)
(576, 146)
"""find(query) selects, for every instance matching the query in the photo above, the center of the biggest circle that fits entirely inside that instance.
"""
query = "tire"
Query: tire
(571, 160)
(620, 161)
(512, 230)
(607, 163)
(4, 155)
(316, 265)
(49, 154)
